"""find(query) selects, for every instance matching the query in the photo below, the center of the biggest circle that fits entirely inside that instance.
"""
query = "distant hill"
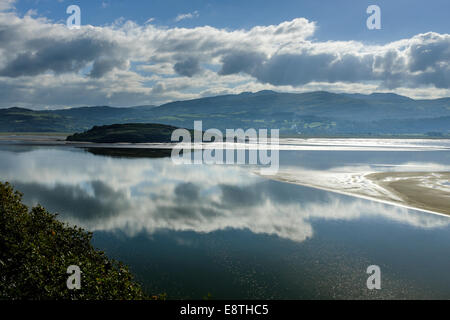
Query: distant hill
(130, 132)
(317, 113)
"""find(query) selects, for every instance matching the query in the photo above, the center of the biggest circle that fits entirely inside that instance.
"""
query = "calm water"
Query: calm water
(190, 230)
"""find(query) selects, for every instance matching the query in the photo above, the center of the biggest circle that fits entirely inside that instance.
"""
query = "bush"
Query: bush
(36, 250)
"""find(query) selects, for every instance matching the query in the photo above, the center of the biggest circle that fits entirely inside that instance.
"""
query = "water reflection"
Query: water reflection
(146, 195)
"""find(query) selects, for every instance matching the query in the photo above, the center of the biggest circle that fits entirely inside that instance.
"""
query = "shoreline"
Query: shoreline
(285, 144)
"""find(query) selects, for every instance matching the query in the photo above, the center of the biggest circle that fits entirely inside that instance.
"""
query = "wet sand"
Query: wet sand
(426, 191)
(423, 190)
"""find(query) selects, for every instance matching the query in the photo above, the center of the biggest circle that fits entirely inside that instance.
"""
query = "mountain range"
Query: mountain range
(317, 113)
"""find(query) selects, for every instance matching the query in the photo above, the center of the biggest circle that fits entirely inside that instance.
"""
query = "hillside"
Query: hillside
(31, 238)
(312, 113)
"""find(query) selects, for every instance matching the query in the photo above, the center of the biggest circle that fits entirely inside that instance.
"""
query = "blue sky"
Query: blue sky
(338, 20)
(130, 52)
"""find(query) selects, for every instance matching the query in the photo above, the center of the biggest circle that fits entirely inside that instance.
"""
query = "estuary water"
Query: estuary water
(221, 230)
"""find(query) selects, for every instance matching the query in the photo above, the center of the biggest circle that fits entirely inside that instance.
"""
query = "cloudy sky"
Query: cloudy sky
(130, 52)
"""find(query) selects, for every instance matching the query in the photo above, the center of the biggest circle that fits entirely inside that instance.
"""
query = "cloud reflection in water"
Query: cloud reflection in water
(147, 195)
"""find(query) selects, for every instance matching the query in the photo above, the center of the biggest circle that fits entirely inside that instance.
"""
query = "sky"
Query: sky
(136, 52)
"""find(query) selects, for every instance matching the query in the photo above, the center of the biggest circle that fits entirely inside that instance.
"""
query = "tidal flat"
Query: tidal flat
(424, 190)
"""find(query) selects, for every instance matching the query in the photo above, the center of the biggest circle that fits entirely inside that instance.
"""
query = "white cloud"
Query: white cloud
(43, 63)
(183, 16)
(150, 20)
(6, 4)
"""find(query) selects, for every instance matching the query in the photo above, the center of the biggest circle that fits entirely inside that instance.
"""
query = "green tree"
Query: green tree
(36, 249)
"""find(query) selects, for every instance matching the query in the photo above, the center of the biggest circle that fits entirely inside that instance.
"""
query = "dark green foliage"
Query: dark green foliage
(131, 152)
(130, 132)
(36, 250)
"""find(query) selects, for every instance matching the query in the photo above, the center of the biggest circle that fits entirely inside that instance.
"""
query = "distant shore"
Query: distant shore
(282, 136)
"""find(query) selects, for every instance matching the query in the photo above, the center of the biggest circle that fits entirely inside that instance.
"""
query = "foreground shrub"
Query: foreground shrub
(36, 250)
